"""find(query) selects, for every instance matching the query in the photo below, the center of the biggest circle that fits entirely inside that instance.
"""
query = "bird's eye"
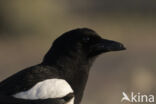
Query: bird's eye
(86, 39)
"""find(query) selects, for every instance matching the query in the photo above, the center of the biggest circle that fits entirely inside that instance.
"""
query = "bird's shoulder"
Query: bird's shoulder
(27, 78)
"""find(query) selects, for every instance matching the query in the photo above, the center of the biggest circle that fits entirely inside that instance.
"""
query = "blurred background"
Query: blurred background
(28, 28)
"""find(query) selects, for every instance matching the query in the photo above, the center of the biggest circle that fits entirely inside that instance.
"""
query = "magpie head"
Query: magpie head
(86, 41)
(82, 42)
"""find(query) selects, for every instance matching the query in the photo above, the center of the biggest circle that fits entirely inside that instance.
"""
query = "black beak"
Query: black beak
(104, 45)
(110, 45)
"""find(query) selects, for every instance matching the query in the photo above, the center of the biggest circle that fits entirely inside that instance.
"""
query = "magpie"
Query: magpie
(62, 75)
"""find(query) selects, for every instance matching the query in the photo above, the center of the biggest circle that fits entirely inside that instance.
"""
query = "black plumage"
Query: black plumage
(69, 58)
(4, 99)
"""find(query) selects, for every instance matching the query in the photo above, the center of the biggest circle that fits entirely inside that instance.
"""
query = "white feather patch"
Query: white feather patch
(50, 88)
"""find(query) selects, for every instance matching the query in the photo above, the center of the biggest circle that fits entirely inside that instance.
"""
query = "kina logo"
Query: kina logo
(138, 97)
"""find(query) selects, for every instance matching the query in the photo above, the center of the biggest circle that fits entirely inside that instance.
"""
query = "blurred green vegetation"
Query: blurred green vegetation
(28, 28)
